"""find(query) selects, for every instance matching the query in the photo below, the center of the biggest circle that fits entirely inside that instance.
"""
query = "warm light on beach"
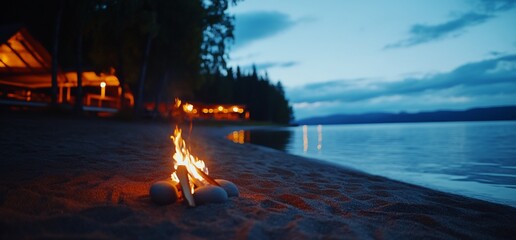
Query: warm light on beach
(177, 102)
(238, 136)
(102, 89)
(188, 107)
(183, 157)
(191, 176)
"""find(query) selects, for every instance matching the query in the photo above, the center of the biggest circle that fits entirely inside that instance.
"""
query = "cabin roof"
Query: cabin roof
(24, 62)
(20, 53)
(7, 31)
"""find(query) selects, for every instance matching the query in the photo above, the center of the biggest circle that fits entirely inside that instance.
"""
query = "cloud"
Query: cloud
(496, 5)
(246, 57)
(253, 26)
(268, 65)
(424, 33)
(483, 83)
(503, 66)
(496, 53)
(421, 33)
(307, 105)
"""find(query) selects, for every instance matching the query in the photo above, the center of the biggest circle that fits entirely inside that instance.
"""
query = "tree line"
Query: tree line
(265, 101)
(160, 48)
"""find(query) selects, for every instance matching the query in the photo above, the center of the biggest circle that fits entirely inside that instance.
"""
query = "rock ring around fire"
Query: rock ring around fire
(210, 194)
(230, 187)
(163, 192)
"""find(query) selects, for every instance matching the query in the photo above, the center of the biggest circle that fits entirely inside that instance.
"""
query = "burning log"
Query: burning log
(191, 179)
(182, 174)
(206, 177)
(197, 183)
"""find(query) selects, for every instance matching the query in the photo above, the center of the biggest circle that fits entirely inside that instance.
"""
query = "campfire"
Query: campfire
(190, 180)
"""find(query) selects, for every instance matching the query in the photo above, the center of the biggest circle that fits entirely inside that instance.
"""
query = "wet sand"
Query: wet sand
(89, 178)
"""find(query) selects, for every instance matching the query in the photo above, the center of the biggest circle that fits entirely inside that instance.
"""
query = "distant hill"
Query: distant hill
(475, 114)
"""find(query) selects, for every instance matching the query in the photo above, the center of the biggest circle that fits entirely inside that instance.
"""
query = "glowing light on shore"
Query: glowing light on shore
(188, 107)
(219, 111)
(238, 136)
(102, 89)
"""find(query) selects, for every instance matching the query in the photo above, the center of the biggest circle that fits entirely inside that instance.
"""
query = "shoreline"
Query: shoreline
(358, 171)
(90, 178)
(441, 178)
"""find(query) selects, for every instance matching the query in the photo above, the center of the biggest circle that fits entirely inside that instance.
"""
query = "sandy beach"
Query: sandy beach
(64, 177)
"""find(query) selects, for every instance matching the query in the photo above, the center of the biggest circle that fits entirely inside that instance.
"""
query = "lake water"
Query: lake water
(475, 159)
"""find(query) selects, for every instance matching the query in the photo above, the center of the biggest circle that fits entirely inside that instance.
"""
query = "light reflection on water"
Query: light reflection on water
(305, 138)
(476, 159)
(319, 137)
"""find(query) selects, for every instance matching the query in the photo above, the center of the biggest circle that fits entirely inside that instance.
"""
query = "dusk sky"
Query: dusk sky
(337, 56)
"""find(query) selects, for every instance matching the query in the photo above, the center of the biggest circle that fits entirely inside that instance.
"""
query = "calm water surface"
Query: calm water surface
(475, 159)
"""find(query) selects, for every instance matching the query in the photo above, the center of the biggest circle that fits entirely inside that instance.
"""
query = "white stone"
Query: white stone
(230, 187)
(163, 192)
(210, 194)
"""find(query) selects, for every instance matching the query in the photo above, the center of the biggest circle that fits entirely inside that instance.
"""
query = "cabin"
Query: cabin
(26, 80)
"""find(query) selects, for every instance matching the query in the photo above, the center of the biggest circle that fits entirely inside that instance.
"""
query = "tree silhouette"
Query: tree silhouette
(264, 100)
(161, 48)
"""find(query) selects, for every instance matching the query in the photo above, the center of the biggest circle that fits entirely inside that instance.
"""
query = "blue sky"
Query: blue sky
(337, 56)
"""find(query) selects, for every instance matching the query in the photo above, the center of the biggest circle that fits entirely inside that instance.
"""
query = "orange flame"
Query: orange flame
(182, 156)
